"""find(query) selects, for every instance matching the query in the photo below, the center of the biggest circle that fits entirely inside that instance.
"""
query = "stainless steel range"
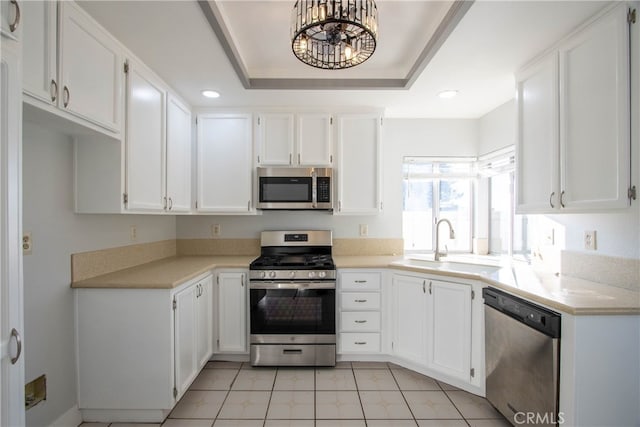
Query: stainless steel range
(292, 288)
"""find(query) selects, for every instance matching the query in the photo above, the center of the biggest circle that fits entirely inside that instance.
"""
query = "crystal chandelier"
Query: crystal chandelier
(334, 34)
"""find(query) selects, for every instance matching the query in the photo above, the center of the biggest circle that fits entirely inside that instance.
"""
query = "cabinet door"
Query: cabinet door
(314, 142)
(204, 313)
(10, 19)
(232, 313)
(178, 179)
(39, 55)
(537, 149)
(449, 326)
(185, 338)
(275, 139)
(145, 139)
(91, 69)
(224, 163)
(359, 190)
(409, 308)
(595, 115)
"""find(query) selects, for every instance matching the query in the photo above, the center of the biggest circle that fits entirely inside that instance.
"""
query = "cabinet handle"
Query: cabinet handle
(14, 25)
(66, 96)
(360, 321)
(424, 283)
(360, 300)
(561, 199)
(16, 335)
(53, 90)
(298, 158)
(360, 343)
(553, 193)
(361, 281)
(430, 285)
(164, 201)
(249, 206)
(170, 203)
(290, 158)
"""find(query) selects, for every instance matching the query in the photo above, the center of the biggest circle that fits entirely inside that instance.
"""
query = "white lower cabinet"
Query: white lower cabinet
(409, 318)
(139, 349)
(231, 319)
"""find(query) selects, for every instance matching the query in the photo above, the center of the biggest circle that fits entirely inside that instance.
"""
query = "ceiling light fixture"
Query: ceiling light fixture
(446, 94)
(334, 34)
(210, 94)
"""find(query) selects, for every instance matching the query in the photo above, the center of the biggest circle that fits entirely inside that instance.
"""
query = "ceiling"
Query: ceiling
(424, 47)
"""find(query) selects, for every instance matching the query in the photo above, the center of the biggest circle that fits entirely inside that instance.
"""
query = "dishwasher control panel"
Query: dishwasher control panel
(540, 318)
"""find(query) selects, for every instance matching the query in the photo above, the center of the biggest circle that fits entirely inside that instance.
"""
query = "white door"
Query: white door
(359, 177)
(224, 163)
(11, 295)
(145, 140)
(275, 133)
(314, 142)
(232, 312)
(537, 146)
(409, 306)
(39, 54)
(595, 115)
(91, 69)
(178, 156)
(449, 326)
(185, 325)
(205, 321)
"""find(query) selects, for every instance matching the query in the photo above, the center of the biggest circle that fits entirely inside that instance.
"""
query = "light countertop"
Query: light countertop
(563, 293)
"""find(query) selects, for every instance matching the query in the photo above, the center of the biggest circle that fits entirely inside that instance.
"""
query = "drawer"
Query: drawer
(355, 342)
(360, 281)
(360, 321)
(359, 301)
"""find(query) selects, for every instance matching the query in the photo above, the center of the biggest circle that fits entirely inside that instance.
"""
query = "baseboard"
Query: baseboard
(71, 418)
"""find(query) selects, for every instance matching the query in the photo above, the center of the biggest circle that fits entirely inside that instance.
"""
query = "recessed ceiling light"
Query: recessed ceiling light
(210, 94)
(446, 94)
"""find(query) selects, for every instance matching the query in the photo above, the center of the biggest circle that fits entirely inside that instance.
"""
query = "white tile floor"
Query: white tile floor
(358, 394)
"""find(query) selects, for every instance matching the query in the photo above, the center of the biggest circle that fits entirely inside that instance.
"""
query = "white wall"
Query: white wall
(57, 233)
(400, 137)
(497, 128)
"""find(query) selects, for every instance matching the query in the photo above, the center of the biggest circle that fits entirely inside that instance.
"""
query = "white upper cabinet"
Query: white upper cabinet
(40, 70)
(178, 172)
(285, 139)
(91, 69)
(573, 143)
(145, 140)
(225, 167)
(358, 174)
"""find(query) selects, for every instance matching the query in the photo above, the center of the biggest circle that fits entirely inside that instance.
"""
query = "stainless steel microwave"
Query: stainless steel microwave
(295, 188)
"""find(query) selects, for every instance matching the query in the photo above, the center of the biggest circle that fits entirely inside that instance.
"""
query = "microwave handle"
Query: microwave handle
(314, 188)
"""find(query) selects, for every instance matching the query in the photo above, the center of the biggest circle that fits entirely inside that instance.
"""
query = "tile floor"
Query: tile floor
(353, 394)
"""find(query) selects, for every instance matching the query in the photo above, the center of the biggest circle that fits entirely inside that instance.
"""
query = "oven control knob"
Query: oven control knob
(312, 274)
(263, 274)
(292, 274)
(322, 274)
(272, 274)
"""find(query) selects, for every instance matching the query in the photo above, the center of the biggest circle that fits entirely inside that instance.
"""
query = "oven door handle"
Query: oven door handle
(294, 285)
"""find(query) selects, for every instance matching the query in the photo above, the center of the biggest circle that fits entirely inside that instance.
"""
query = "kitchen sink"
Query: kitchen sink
(460, 267)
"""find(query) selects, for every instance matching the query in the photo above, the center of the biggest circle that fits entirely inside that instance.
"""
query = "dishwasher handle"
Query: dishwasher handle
(532, 315)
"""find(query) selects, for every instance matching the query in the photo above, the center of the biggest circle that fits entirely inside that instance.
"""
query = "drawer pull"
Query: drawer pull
(360, 343)
(292, 351)
(360, 300)
(360, 321)
(361, 281)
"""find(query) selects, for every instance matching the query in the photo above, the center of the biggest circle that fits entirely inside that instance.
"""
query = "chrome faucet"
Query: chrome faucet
(452, 235)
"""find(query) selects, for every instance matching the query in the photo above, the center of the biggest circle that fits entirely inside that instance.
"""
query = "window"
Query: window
(435, 189)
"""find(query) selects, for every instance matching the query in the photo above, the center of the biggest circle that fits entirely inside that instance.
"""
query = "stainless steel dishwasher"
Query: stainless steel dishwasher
(522, 345)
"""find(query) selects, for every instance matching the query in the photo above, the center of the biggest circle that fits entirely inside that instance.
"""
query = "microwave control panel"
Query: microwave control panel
(324, 189)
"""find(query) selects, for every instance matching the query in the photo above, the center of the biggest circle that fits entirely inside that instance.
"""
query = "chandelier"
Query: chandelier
(334, 34)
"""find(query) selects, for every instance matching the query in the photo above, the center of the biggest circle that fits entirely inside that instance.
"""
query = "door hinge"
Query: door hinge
(126, 67)
(631, 193)
(631, 16)
(175, 304)
(473, 294)
(125, 198)
(473, 372)
(175, 392)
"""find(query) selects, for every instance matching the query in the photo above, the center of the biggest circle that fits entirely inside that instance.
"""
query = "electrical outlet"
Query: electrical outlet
(27, 244)
(590, 240)
(364, 230)
(133, 233)
(215, 230)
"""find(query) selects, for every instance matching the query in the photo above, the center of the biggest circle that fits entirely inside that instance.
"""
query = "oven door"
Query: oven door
(281, 308)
